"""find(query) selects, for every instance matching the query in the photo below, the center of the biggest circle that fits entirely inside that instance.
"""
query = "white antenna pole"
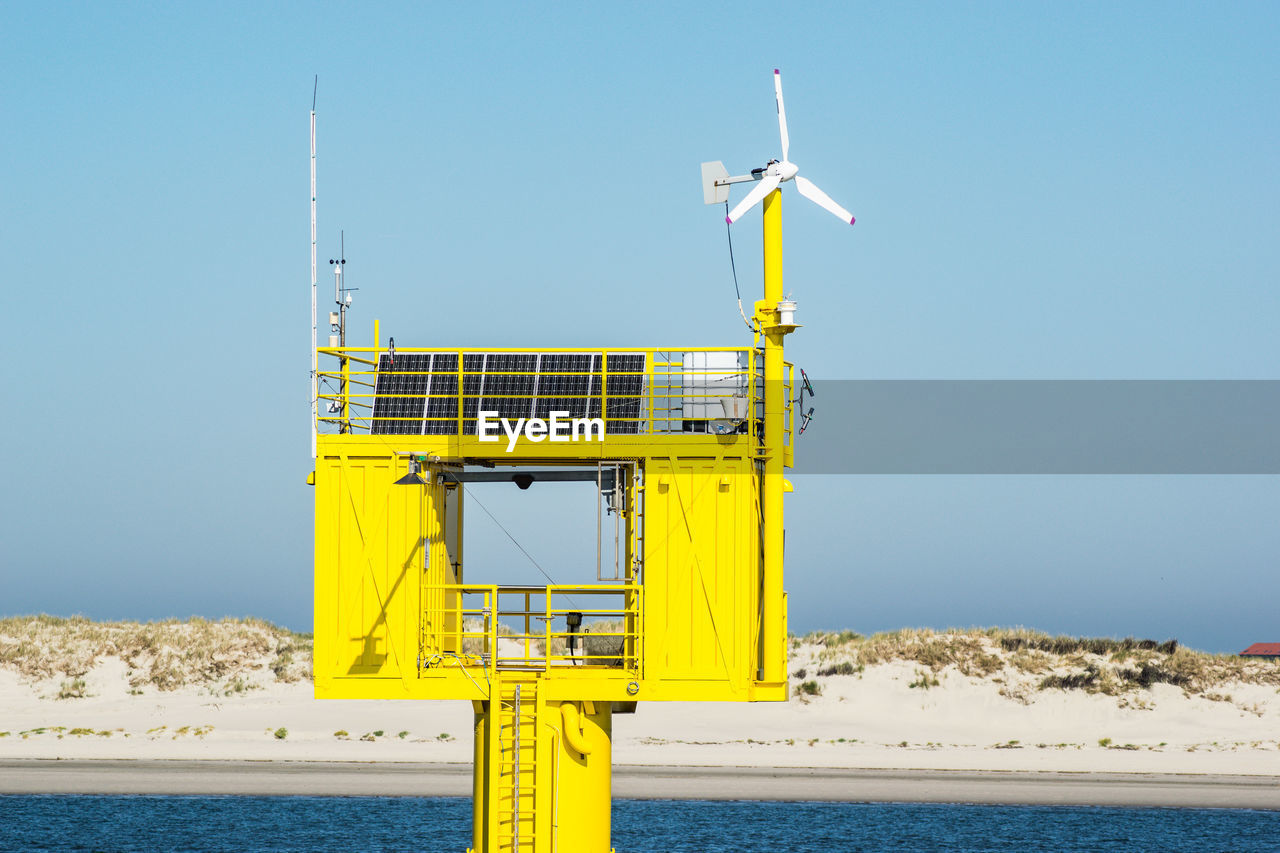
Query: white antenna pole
(315, 359)
(337, 276)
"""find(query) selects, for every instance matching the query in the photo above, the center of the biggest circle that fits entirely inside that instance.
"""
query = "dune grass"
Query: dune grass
(233, 655)
(1090, 664)
(161, 655)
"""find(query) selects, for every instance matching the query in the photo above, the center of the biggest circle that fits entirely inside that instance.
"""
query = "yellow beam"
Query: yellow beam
(772, 652)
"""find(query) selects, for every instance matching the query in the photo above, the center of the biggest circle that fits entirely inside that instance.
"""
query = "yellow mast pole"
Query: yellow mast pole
(773, 653)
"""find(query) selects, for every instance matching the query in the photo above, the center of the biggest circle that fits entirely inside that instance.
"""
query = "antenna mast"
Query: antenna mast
(338, 321)
(315, 366)
(341, 293)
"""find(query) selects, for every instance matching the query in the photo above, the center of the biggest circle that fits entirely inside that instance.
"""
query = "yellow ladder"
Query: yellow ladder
(517, 778)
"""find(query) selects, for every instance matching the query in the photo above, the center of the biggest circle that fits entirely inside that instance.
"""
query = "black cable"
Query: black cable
(728, 231)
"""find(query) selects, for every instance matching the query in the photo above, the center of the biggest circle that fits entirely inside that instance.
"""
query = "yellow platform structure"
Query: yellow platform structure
(688, 606)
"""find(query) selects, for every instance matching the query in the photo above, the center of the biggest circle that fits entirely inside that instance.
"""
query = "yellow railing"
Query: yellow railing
(482, 628)
(635, 391)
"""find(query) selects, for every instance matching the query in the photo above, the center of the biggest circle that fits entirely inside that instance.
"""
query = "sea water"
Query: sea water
(226, 823)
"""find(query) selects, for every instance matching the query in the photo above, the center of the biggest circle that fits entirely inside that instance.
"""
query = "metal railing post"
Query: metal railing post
(346, 400)
(546, 627)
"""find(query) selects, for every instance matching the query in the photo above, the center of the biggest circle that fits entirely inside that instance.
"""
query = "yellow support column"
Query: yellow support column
(773, 648)
(480, 774)
(543, 772)
(581, 741)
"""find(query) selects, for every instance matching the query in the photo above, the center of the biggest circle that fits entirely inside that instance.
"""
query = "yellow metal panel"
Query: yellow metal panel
(701, 567)
(369, 560)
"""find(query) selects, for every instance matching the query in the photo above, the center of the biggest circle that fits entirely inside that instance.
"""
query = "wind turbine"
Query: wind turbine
(774, 319)
(716, 181)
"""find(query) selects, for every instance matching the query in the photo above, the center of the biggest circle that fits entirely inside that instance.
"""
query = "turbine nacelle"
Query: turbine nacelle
(786, 170)
(716, 180)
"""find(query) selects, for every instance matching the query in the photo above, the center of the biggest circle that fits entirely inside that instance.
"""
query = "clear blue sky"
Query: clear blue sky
(1042, 191)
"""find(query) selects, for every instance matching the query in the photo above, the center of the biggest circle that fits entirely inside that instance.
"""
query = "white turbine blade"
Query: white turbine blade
(782, 113)
(818, 197)
(767, 184)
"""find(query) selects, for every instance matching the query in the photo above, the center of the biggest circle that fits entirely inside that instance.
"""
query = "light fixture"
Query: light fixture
(574, 621)
(413, 478)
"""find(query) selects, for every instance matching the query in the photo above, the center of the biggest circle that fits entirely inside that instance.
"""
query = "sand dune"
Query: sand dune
(925, 701)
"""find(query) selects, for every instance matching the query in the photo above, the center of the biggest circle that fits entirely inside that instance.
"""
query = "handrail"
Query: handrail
(679, 391)
(524, 350)
(475, 638)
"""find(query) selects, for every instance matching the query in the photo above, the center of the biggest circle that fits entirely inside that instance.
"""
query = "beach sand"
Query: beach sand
(417, 779)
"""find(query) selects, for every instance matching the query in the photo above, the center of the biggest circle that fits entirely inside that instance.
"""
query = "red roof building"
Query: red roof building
(1262, 650)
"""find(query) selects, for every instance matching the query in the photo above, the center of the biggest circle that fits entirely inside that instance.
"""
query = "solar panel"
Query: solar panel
(399, 391)
(624, 391)
(442, 404)
(417, 393)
